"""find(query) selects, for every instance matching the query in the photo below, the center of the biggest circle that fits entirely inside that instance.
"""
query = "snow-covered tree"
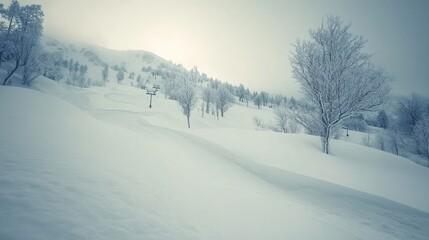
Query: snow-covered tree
(293, 104)
(277, 99)
(264, 98)
(32, 69)
(241, 91)
(171, 85)
(337, 78)
(8, 29)
(247, 97)
(25, 37)
(82, 73)
(120, 75)
(394, 139)
(75, 72)
(303, 115)
(282, 117)
(410, 110)
(105, 73)
(51, 65)
(70, 66)
(421, 134)
(208, 97)
(382, 119)
(223, 100)
(187, 93)
(257, 100)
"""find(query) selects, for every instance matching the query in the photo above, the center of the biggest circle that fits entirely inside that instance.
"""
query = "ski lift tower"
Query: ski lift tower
(152, 92)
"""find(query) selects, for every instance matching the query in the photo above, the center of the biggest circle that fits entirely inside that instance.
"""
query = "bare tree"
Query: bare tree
(337, 79)
(187, 93)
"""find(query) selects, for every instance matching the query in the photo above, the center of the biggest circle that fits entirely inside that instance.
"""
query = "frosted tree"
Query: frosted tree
(282, 116)
(170, 88)
(247, 97)
(8, 27)
(336, 77)
(25, 37)
(105, 73)
(303, 114)
(82, 73)
(257, 100)
(75, 70)
(382, 119)
(409, 111)
(277, 99)
(70, 66)
(120, 75)
(241, 92)
(208, 97)
(32, 69)
(264, 97)
(51, 65)
(394, 139)
(187, 93)
(421, 134)
(224, 99)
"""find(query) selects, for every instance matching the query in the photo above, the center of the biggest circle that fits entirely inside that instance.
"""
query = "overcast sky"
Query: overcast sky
(248, 41)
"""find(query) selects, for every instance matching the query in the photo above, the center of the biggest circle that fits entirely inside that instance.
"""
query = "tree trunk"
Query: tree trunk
(207, 106)
(189, 123)
(326, 139)
(11, 73)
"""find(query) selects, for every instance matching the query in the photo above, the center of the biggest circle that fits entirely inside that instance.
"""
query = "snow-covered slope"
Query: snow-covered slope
(95, 57)
(97, 163)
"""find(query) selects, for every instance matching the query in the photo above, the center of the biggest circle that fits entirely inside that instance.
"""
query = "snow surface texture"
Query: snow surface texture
(99, 164)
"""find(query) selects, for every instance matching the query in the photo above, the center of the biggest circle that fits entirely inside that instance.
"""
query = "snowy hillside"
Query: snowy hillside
(97, 163)
(138, 62)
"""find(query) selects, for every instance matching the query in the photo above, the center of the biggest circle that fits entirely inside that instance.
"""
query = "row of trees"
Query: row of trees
(77, 73)
(215, 100)
(406, 127)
